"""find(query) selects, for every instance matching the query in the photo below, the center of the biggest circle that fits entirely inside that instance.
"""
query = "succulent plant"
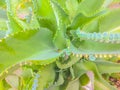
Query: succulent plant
(57, 43)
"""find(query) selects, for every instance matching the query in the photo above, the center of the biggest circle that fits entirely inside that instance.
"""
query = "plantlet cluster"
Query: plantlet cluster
(57, 44)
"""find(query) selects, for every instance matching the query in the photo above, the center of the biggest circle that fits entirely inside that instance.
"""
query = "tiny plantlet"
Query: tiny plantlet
(53, 44)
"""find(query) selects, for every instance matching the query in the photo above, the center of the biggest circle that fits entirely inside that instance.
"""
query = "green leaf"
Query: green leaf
(48, 23)
(84, 79)
(93, 47)
(60, 80)
(105, 22)
(73, 85)
(60, 14)
(60, 36)
(60, 40)
(72, 6)
(42, 8)
(72, 60)
(107, 66)
(80, 20)
(90, 7)
(91, 27)
(47, 77)
(28, 45)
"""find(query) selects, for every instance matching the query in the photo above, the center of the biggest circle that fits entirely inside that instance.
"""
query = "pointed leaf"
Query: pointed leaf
(60, 39)
(28, 45)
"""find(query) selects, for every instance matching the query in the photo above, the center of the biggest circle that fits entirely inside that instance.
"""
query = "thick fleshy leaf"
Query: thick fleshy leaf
(60, 36)
(60, 40)
(28, 45)
(64, 65)
(80, 20)
(43, 8)
(60, 14)
(93, 47)
(72, 6)
(91, 27)
(99, 37)
(48, 23)
(105, 22)
(107, 66)
(90, 7)
(62, 4)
